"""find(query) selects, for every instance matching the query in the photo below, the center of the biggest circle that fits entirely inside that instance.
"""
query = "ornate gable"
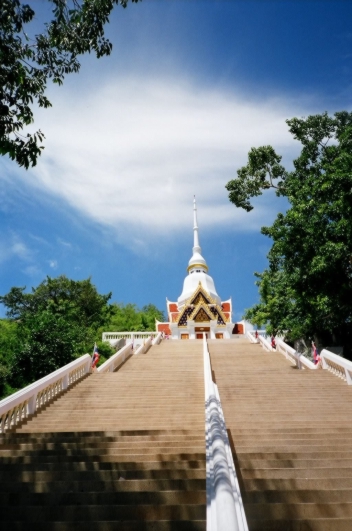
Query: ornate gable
(200, 295)
(218, 315)
(185, 315)
(202, 313)
(201, 308)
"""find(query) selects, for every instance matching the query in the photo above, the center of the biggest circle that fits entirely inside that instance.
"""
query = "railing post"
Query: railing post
(348, 377)
(31, 405)
(65, 380)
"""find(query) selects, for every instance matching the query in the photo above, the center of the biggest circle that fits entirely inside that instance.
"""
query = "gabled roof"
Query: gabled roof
(201, 307)
(202, 313)
(200, 294)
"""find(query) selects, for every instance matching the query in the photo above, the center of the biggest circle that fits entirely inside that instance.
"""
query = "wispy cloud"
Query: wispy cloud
(64, 243)
(53, 264)
(32, 271)
(131, 156)
(12, 245)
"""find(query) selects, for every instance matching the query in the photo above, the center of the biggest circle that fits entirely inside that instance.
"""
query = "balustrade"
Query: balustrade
(116, 360)
(15, 408)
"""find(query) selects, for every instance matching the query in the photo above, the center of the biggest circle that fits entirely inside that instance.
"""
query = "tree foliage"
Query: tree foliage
(27, 64)
(128, 317)
(56, 322)
(307, 288)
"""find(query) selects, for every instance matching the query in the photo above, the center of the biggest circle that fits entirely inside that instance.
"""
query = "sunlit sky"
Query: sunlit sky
(190, 87)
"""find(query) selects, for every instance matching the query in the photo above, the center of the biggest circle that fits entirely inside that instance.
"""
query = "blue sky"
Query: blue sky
(190, 87)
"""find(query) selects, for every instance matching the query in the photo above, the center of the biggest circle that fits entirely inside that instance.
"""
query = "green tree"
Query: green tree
(307, 288)
(129, 318)
(56, 321)
(27, 64)
(9, 345)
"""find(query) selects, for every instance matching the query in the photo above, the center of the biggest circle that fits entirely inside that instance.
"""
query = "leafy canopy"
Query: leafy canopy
(127, 317)
(56, 321)
(307, 288)
(28, 63)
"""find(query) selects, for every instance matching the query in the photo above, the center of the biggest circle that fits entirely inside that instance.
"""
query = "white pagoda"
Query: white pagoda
(199, 308)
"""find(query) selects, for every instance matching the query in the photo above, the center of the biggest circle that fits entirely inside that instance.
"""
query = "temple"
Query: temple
(199, 308)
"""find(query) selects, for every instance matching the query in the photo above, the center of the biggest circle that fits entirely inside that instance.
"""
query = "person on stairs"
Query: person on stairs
(315, 354)
(273, 342)
(95, 358)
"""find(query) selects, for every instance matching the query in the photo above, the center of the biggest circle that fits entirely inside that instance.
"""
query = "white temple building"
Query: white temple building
(199, 308)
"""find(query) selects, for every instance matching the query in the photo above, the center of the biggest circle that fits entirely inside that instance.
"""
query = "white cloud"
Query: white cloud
(53, 264)
(32, 271)
(20, 249)
(12, 245)
(64, 243)
(131, 154)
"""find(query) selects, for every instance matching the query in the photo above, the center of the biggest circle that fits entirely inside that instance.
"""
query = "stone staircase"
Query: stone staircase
(122, 451)
(291, 434)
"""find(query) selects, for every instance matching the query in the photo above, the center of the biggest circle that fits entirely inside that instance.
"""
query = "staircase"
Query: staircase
(291, 434)
(120, 451)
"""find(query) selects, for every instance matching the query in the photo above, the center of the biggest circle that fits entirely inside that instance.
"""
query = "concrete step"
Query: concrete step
(304, 511)
(317, 524)
(165, 497)
(292, 473)
(102, 475)
(299, 496)
(106, 463)
(162, 525)
(38, 513)
(123, 484)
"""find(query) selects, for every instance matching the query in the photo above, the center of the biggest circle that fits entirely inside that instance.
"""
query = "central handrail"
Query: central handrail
(225, 510)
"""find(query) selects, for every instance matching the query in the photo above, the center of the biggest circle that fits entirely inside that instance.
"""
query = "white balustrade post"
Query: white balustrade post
(348, 376)
(31, 405)
(65, 381)
(298, 358)
(323, 362)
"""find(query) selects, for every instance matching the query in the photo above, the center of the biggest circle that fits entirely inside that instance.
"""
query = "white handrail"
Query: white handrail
(337, 365)
(19, 405)
(224, 503)
(265, 343)
(116, 360)
(292, 355)
(251, 337)
(145, 346)
(157, 340)
(107, 336)
(330, 361)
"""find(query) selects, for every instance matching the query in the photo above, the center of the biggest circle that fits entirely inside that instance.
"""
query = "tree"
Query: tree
(307, 288)
(129, 318)
(9, 345)
(56, 321)
(27, 64)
